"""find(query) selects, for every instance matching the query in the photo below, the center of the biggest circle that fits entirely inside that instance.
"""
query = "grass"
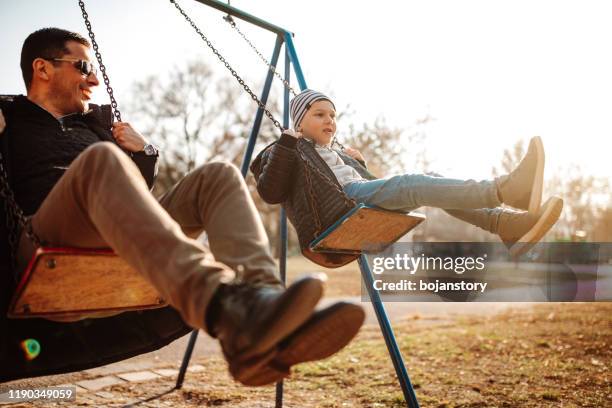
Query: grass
(549, 356)
(552, 355)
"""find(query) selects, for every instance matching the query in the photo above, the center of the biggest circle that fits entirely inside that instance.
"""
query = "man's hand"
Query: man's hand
(354, 153)
(127, 137)
(2, 122)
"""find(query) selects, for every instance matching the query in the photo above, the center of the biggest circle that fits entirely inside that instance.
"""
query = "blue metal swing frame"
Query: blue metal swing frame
(291, 59)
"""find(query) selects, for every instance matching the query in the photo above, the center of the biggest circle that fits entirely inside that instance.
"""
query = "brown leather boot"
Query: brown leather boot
(323, 335)
(253, 320)
(522, 188)
(520, 230)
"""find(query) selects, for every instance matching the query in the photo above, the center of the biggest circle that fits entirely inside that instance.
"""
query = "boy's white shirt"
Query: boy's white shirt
(343, 172)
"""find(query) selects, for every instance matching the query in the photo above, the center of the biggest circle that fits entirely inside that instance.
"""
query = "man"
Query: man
(86, 185)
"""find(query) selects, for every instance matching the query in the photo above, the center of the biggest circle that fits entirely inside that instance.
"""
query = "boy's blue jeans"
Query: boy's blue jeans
(469, 200)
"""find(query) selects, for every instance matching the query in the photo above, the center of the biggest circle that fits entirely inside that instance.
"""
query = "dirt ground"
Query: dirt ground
(341, 282)
(552, 355)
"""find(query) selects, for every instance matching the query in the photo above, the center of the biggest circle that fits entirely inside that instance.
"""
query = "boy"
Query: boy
(308, 149)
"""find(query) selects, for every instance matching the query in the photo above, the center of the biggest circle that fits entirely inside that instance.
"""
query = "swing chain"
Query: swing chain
(347, 200)
(261, 105)
(310, 190)
(311, 196)
(308, 166)
(94, 45)
(231, 22)
(15, 219)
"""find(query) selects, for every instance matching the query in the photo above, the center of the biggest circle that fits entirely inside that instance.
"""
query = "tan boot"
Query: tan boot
(254, 319)
(522, 188)
(520, 230)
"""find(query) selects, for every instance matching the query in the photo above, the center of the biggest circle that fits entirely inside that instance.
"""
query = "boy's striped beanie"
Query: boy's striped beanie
(302, 102)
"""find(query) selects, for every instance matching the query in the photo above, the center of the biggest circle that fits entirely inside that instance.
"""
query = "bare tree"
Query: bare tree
(586, 198)
(388, 150)
(510, 159)
(196, 116)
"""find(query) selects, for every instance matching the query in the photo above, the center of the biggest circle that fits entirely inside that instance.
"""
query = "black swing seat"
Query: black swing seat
(365, 229)
(73, 283)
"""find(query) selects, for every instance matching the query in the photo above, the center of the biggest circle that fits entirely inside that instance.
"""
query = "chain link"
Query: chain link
(15, 219)
(327, 180)
(231, 22)
(308, 167)
(229, 67)
(94, 45)
(311, 197)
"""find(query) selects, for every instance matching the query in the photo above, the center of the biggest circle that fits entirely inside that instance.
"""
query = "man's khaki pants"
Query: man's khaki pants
(103, 201)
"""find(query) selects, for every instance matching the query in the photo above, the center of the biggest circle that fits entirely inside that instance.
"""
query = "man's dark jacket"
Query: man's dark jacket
(37, 149)
(291, 172)
(41, 147)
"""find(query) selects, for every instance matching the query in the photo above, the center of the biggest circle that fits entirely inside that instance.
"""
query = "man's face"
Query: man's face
(70, 89)
(319, 123)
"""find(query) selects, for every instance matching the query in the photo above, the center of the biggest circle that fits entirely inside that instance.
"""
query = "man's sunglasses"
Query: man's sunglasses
(86, 67)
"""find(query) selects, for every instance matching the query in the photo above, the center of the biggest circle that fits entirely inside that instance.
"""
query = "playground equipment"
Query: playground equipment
(93, 289)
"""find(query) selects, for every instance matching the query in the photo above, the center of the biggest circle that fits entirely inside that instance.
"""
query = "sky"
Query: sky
(489, 72)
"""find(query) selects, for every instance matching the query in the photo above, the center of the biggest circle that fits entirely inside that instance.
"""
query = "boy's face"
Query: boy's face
(319, 123)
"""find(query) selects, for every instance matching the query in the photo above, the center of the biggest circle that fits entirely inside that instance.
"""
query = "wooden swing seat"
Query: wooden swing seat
(365, 228)
(72, 283)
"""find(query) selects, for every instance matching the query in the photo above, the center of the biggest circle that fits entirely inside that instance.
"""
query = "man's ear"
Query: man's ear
(40, 69)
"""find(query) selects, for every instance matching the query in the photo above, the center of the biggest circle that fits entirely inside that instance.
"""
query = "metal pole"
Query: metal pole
(246, 160)
(186, 358)
(387, 330)
(283, 215)
(294, 60)
(224, 7)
